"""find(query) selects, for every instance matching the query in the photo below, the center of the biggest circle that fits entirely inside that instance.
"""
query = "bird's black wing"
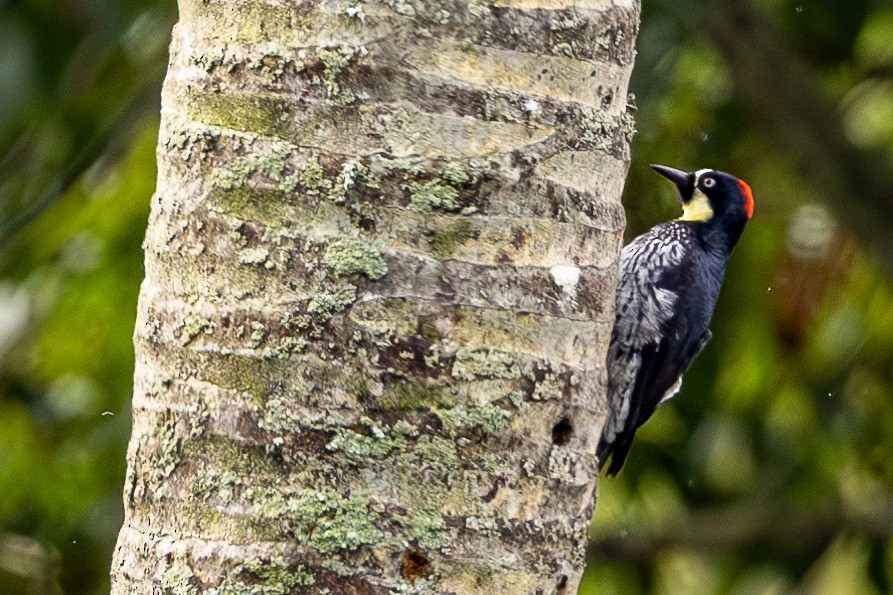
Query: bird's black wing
(652, 344)
(658, 379)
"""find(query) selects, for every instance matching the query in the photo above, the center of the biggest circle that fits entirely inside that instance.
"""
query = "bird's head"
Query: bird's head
(708, 194)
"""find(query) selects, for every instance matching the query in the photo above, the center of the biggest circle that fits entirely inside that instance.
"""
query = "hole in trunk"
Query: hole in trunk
(561, 432)
(415, 564)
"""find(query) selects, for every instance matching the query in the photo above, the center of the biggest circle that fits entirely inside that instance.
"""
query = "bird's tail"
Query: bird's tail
(617, 450)
(602, 453)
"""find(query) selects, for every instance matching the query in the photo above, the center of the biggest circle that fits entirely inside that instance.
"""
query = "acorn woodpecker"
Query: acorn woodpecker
(669, 282)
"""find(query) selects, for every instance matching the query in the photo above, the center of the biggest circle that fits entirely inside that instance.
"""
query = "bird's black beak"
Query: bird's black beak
(683, 180)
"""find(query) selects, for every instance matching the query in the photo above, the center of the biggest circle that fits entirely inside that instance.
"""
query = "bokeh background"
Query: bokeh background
(771, 473)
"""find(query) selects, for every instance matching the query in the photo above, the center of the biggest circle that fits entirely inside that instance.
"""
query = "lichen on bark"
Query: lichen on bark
(355, 372)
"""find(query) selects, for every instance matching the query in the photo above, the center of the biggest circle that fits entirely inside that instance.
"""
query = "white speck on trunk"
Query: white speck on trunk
(566, 276)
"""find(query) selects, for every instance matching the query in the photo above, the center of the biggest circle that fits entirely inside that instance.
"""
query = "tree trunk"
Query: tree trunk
(359, 369)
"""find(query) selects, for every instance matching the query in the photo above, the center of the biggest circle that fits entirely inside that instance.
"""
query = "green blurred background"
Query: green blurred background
(772, 473)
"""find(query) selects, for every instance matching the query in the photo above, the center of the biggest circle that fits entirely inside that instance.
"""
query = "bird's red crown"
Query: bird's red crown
(748, 197)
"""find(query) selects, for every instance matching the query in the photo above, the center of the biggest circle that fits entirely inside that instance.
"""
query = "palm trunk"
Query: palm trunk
(357, 369)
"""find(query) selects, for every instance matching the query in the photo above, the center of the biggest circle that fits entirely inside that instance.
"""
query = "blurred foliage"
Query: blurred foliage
(773, 469)
(771, 472)
(78, 123)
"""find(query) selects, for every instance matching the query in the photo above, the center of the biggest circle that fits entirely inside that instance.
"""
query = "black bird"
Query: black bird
(669, 282)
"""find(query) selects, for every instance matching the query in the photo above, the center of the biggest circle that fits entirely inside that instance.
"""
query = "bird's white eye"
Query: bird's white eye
(709, 182)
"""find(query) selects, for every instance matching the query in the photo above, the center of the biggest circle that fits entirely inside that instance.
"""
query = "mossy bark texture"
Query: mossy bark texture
(379, 287)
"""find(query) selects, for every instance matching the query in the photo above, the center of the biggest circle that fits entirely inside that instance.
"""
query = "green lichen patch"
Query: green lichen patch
(268, 161)
(473, 364)
(401, 7)
(426, 528)
(156, 385)
(425, 198)
(550, 388)
(489, 418)
(517, 398)
(287, 347)
(339, 568)
(445, 240)
(349, 256)
(455, 174)
(202, 485)
(331, 521)
(178, 579)
(628, 124)
(167, 451)
(278, 417)
(432, 452)
(352, 173)
(272, 66)
(263, 204)
(488, 462)
(227, 485)
(265, 577)
(268, 502)
(328, 303)
(263, 115)
(258, 332)
(312, 178)
(360, 447)
(340, 523)
(193, 326)
(384, 319)
(413, 396)
(427, 328)
(268, 167)
(231, 371)
(335, 61)
(255, 256)
(482, 524)
(602, 131)
(404, 428)
(439, 192)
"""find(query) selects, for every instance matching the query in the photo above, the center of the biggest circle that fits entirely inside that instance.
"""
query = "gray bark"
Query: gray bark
(357, 370)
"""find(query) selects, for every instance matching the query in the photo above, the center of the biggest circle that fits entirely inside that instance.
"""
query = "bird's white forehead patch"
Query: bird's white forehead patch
(700, 173)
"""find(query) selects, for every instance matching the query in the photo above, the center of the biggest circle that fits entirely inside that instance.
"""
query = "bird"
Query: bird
(669, 282)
